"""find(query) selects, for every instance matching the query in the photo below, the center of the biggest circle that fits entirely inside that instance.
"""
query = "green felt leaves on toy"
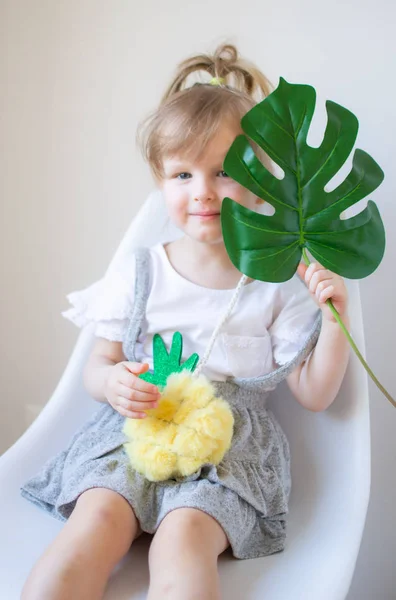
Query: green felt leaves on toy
(269, 248)
(165, 364)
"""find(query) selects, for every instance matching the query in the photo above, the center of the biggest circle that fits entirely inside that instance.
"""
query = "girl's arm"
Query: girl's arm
(104, 355)
(316, 382)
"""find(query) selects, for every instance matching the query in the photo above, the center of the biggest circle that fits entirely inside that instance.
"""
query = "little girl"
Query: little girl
(275, 331)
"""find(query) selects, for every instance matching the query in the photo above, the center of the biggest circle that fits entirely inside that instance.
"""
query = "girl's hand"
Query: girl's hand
(128, 394)
(324, 285)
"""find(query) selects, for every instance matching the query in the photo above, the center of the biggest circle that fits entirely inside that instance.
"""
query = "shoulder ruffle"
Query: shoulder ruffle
(107, 303)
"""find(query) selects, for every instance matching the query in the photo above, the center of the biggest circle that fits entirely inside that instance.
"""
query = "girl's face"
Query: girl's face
(194, 191)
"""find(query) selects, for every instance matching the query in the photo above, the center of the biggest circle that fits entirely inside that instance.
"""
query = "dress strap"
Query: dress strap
(142, 290)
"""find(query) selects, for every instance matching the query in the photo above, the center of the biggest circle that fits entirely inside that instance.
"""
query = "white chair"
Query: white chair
(330, 492)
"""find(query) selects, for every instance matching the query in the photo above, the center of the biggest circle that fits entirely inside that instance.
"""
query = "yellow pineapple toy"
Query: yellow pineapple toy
(191, 425)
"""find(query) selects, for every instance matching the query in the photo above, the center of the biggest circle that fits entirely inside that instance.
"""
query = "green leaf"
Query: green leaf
(269, 248)
(165, 364)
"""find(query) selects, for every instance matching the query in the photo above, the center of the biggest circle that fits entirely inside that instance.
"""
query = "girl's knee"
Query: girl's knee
(183, 556)
(190, 527)
(101, 508)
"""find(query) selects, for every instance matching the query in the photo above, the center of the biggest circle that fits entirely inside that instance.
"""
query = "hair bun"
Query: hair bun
(224, 60)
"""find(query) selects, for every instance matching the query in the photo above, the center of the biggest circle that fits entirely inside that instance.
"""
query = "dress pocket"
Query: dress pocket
(248, 356)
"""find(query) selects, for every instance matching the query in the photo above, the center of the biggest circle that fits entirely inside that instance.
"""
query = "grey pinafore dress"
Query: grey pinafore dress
(247, 493)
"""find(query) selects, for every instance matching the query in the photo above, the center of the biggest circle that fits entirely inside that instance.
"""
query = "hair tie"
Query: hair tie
(217, 81)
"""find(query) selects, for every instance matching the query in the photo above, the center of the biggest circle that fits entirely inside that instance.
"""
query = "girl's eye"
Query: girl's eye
(185, 175)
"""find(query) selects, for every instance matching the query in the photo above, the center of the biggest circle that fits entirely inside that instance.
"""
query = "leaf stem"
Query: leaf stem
(352, 343)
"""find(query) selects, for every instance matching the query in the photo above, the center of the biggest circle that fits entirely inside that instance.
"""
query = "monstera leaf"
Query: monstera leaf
(165, 364)
(307, 217)
(269, 248)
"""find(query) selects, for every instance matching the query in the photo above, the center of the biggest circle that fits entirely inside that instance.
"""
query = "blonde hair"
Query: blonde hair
(189, 116)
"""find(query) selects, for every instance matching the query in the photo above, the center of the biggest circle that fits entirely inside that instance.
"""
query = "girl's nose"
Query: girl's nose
(204, 192)
(203, 199)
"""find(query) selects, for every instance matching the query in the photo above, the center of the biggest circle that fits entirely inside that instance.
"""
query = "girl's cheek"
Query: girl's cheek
(176, 211)
(242, 196)
(229, 188)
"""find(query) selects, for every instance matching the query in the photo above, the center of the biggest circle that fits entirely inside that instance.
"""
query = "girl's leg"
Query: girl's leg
(183, 557)
(79, 561)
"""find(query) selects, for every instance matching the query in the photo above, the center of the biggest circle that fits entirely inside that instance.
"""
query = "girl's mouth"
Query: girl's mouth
(206, 215)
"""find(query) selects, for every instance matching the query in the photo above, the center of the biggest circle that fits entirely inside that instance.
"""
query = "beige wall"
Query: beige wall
(75, 78)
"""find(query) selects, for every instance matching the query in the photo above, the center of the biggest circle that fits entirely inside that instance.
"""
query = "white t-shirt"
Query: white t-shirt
(266, 328)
